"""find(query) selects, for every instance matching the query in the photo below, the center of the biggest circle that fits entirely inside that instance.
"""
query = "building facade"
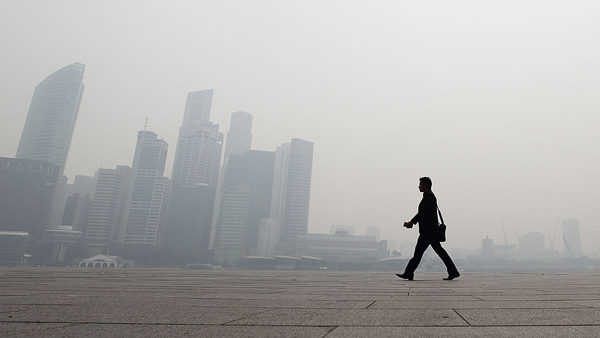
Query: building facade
(148, 197)
(50, 123)
(108, 209)
(190, 217)
(292, 177)
(78, 202)
(26, 192)
(200, 144)
(239, 137)
(252, 170)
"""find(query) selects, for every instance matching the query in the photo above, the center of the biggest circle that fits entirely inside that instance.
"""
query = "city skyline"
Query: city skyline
(505, 93)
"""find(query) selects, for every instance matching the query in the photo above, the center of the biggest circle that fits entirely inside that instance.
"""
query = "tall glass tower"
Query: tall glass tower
(50, 123)
(51, 118)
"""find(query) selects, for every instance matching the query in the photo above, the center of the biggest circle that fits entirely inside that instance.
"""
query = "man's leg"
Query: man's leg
(452, 270)
(422, 244)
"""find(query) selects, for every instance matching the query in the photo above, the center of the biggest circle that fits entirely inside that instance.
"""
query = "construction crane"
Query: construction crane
(568, 247)
(552, 240)
(503, 231)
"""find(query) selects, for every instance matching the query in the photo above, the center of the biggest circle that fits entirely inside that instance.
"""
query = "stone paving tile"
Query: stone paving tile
(420, 304)
(564, 317)
(367, 317)
(589, 303)
(290, 303)
(134, 302)
(549, 297)
(461, 332)
(142, 330)
(149, 314)
(28, 329)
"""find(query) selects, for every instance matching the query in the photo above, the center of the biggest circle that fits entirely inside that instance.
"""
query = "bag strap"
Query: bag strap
(440, 213)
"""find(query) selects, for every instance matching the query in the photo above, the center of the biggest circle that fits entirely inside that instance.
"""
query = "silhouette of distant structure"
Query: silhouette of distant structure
(245, 201)
(50, 123)
(78, 202)
(200, 144)
(348, 228)
(26, 191)
(109, 208)
(195, 175)
(190, 217)
(571, 238)
(292, 177)
(148, 197)
(239, 137)
(373, 232)
(239, 140)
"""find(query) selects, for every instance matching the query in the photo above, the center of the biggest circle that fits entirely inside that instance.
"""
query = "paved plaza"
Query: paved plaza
(80, 302)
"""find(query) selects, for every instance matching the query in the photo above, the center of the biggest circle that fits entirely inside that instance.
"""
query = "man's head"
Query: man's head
(424, 184)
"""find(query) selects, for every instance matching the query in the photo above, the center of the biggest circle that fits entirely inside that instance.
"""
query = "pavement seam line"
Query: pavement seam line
(368, 306)
(463, 318)
(332, 329)
(248, 316)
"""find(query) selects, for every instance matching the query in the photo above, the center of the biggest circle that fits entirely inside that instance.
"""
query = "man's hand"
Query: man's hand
(408, 225)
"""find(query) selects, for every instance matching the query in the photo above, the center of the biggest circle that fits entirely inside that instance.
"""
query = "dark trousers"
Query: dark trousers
(422, 243)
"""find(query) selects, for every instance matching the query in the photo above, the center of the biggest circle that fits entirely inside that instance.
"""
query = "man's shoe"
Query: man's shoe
(405, 276)
(451, 277)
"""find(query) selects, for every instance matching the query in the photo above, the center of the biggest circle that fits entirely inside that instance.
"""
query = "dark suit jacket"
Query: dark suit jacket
(427, 216)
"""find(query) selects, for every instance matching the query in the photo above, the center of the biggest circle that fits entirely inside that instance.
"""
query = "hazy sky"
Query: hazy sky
(497, 101)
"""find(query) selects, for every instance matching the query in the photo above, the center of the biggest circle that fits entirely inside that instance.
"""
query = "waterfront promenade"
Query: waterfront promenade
(80, 302)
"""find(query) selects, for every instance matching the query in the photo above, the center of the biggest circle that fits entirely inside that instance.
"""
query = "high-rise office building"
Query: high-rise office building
(239, 140)
(26, 190)
(148, 197)
(571, 238)
(197, 107)
(195, 172)
(290, 199)
(200, 144)
(239, 137)
(78, 202)
(232, 238)
(108, 208)
(50, 123)
(190, 217)
(269, 232)
(250, 176)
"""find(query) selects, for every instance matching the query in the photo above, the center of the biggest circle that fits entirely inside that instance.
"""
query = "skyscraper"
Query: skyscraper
(195, 174)
(200, 144)
(78, 202)
(148, 198)
(50, 122)
(239, 140)
(247, 186)
(190, 217)
(26, 189)
(571, 238)
(290, 199)
(108, 208)
(239, 137)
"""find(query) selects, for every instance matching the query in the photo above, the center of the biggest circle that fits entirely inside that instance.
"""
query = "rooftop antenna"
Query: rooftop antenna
(146, 123)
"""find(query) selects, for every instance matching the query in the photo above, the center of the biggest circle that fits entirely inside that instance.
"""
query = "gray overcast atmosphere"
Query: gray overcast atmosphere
(496, 101)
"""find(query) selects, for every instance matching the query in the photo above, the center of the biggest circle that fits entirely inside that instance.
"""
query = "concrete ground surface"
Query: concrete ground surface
(81, 302)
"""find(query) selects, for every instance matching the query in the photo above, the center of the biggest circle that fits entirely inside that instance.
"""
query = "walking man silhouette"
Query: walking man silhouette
(428, 222)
